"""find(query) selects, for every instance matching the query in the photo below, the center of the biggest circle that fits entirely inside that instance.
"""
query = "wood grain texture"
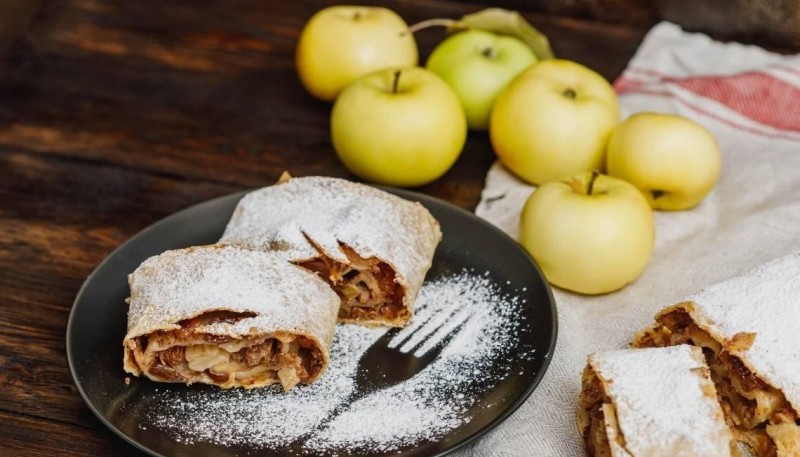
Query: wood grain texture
(771, 22)
(15, 17)
(24, 435)
(629, 12)
(59, 217)
(114, 114)
(160, 87)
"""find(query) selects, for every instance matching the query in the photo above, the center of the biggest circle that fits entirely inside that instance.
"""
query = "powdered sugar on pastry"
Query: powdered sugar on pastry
(612, 432)
(302, 215)
(442, 396)
(665, 402)
(765, 302)
(182, 284)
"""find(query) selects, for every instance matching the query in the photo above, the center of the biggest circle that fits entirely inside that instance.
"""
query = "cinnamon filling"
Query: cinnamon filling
(189, 356)
(367, 287)
(749, 403)
(592, 420)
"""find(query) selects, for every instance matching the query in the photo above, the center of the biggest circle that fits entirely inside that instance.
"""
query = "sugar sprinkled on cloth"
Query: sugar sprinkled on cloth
(422, 408)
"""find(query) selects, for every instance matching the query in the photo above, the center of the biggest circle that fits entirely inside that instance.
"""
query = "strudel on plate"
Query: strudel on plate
(229, 317)
(652, 403)
(372, 247)
(749, 330)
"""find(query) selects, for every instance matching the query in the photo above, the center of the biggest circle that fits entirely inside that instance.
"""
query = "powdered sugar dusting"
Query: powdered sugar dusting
(183, 283)
(288, 217)
(665, 401)
(765, 302)
(434, 401)
(263, 418)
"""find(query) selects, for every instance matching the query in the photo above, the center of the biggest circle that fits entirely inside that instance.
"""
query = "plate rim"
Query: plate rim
(402, 193)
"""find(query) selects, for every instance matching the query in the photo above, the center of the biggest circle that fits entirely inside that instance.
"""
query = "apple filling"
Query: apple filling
(188, 356)
(750, 405)
(367, 287)
(596, 415)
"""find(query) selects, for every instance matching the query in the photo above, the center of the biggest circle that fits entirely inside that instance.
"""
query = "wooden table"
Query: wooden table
(114, 114)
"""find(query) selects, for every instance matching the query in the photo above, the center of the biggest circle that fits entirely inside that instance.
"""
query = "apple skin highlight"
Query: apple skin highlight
(478, 65)
(553, 120)
(339, 44)
(674, 161)
(588, 243)
(399, 127)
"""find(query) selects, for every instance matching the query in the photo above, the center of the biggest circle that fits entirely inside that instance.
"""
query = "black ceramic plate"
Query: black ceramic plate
(97, 325)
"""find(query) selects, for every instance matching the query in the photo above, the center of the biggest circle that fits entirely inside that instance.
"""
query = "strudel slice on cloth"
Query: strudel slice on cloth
(372, 247)
(749, 329)
(652, 403)
(229, 317)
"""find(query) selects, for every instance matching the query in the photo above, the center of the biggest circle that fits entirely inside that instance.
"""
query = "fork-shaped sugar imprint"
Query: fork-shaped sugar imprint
(429, 330)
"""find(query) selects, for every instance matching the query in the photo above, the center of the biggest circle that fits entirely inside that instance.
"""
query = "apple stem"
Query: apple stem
(450, 23)
(396, 81)
(570, 93)
(488, 53)
(590, 187)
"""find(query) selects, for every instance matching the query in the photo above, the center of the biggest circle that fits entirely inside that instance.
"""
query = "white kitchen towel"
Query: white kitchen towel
(750, 99)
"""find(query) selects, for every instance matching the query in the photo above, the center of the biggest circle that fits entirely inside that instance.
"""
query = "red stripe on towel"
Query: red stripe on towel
(700, 110)
(759, 96)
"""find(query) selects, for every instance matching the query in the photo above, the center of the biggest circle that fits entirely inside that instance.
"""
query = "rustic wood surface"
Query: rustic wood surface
(114, 114)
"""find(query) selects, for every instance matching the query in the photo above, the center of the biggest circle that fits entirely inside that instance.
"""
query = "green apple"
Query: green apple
(674, 161)
(589, 233)
(400, 127)
(553, 120)
(342, 43)
(478, 65)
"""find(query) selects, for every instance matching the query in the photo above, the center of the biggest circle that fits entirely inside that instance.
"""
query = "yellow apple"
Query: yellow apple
(674, 161)
(478, 64)
(553, 120)
(400, 127)
(342, 43)
(589, 233)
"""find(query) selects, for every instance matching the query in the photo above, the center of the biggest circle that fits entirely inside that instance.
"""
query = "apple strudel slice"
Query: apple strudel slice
(652, 403)
(372, 247)
(748, 329)
(229, 317)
